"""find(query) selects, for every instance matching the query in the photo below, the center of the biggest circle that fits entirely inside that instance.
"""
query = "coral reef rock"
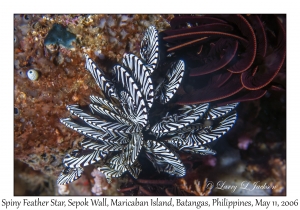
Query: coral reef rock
(40, 140)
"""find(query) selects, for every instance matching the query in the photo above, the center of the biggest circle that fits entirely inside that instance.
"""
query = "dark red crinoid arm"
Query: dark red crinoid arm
(262, 74)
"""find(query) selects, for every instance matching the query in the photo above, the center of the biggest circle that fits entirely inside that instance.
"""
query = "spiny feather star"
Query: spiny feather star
(115, 128)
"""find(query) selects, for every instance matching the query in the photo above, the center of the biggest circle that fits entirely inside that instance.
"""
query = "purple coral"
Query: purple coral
(100, 182)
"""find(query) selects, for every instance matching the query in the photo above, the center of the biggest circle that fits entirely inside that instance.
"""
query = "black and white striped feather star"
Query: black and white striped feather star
(168, 87)
(149, 49)
(114, 130)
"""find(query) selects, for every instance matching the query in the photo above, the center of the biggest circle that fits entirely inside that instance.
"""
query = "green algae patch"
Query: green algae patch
(59, 35)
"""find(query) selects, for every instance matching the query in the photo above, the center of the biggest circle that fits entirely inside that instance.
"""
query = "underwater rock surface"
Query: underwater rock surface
(40, 140)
